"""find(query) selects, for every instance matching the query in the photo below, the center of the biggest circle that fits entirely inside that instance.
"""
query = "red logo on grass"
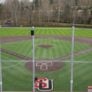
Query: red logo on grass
(43, 84)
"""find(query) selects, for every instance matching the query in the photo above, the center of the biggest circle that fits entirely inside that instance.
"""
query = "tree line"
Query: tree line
(26, 13)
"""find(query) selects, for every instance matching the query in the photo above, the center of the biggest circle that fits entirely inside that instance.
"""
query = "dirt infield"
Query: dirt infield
(46, 46)
(19, 56)
(68, 38)
(40, 65)
(44, 65)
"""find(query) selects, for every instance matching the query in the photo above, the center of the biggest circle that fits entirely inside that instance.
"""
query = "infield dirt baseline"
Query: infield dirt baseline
(43, 65)
(68, 38)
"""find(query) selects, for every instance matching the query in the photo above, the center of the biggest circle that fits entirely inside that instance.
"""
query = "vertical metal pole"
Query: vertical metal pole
(72, 54)
(1, 89)
(33, 57)
(72, 59)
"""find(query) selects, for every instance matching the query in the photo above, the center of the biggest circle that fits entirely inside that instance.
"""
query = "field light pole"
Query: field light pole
(33, 56)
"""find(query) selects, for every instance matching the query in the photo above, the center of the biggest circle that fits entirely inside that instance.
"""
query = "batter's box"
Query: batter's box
(45, 66)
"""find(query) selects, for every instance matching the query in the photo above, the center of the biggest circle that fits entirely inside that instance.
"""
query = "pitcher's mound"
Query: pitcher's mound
(45, 46)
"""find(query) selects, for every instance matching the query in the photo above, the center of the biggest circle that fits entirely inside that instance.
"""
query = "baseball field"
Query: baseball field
(52, 56)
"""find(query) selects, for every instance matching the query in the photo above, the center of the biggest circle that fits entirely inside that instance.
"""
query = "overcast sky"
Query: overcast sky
(1, 0)
(4, 0)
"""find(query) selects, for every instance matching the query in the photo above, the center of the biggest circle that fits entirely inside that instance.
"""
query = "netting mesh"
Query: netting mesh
(55, 57)
(52, 56)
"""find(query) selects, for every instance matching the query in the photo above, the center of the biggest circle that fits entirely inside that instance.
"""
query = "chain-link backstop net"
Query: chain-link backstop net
(62, 53)
(52, 58)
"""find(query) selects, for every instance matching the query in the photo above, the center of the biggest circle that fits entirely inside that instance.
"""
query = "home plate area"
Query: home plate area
(45, 65)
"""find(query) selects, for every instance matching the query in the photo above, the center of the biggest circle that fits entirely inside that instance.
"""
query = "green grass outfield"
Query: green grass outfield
(80, 32)
(16, 77)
